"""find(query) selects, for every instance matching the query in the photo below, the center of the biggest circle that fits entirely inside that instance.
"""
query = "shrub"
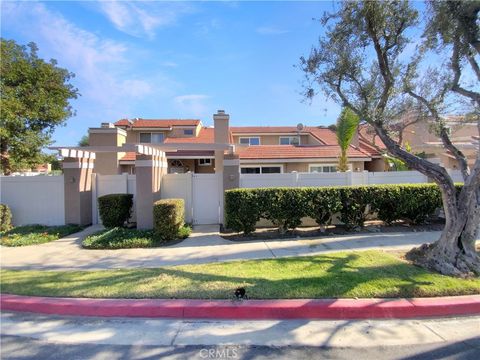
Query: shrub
(284, 207)
(168, 219)
(322, 203)
(355, 205)
(5, 218)
(115, 209)
(242, 210)
(410, 202)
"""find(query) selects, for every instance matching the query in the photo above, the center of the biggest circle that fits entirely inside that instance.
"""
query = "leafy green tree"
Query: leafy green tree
(83, 141)
(347, 125)
(363, 63)
(35, 98)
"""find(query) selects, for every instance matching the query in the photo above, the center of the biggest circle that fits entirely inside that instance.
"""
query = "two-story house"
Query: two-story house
(261, 150)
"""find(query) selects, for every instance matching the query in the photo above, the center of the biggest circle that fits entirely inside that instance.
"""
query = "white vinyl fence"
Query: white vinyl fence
(34, 199)
(336, 179)
(111, 184)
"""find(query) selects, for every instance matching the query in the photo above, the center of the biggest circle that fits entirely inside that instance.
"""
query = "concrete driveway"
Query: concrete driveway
(204, 246)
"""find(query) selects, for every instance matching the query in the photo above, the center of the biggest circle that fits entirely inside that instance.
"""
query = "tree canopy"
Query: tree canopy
(374, 60)
(35, 99)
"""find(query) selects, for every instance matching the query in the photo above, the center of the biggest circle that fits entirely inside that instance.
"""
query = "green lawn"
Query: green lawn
(36, 234)
(343, 274)
(122, 238)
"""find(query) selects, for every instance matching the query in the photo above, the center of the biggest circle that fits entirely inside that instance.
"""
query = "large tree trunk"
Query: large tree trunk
(454, 252)
(4, 159)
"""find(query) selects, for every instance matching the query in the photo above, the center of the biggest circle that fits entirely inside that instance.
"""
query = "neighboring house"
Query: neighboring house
(421, 137)
(260, 149)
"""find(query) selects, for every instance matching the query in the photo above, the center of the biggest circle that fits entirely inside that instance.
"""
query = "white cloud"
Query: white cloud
(142, 18)
(104, 74)
(170, 64)
(192, 104)
(270, 30)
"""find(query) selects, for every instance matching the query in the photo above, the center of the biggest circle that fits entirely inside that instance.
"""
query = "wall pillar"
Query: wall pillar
(149, 170)
(77, 174)
(231, 172)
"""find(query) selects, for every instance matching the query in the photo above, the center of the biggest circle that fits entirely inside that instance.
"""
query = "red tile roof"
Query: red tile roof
(262, 129)
(205, 136)
(129, 156)
(162, 123)
(296, 152)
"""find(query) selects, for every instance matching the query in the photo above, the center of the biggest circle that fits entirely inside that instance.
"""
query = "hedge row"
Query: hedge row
(285, 207)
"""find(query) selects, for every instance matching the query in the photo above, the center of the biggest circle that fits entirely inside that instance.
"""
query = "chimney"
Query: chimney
(220, 123)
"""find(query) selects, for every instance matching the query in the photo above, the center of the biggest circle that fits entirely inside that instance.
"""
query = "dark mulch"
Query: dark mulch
(302, 232)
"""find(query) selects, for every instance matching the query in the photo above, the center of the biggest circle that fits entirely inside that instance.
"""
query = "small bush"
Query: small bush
(284, 207)
(5, 218)
(413, 202)
(322, 204)
(242, 210)
(168, 219)
(115, 209)
(355, 205)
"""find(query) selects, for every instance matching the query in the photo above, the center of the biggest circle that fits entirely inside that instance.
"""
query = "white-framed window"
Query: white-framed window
(249, 141)
(205, 162)
(151, 138)
(324, 168)
(188, 132)
(289, 140)
(261, 169)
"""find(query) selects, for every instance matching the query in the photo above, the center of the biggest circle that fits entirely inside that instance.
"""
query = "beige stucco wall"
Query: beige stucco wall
(107, 163)
(375, 165)
(275, 139)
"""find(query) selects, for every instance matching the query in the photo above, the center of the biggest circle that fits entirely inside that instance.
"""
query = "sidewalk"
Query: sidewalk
(204, 246)
(354, 334)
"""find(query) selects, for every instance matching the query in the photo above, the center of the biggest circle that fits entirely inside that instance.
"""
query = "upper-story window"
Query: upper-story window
(289, 140)
(249, 141)
(188, 132)
(151, 138)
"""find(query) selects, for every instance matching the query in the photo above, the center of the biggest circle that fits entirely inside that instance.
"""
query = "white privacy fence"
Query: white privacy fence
(201, 193)
(336, 179)
(111, 184)
(34, 199)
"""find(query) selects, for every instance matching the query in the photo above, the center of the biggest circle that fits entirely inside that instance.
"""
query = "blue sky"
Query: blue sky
(177, 60)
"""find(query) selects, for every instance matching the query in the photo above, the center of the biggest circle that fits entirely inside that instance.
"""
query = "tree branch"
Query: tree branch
(455, 65)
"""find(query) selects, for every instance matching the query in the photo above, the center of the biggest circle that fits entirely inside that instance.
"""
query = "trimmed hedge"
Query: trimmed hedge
(115, 209)
(5, 218)
(168, 219)
(285, 207)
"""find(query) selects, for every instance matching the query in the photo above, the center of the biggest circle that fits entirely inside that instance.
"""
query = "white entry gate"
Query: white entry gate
(202, 194)
(206, 199)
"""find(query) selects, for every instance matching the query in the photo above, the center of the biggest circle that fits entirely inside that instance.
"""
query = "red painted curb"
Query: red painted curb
(340, 309)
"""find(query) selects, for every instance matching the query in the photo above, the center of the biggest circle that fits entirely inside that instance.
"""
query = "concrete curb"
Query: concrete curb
(339, 309)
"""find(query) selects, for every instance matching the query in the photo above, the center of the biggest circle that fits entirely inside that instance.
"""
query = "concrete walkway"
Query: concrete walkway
(204, 246)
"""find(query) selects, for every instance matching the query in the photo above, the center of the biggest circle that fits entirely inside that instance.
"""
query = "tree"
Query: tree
(347, 124)
(83, 141)
(361, 63)
(35, 97)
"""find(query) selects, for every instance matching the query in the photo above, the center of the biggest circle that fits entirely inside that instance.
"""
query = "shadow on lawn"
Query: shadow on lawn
(337, 280)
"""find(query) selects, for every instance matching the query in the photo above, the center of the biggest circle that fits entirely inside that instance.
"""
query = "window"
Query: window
(151, 138)
(261, 170)
(188, 132)
(205, 162)
(322, 168)
(250, 141)
(289, 140)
